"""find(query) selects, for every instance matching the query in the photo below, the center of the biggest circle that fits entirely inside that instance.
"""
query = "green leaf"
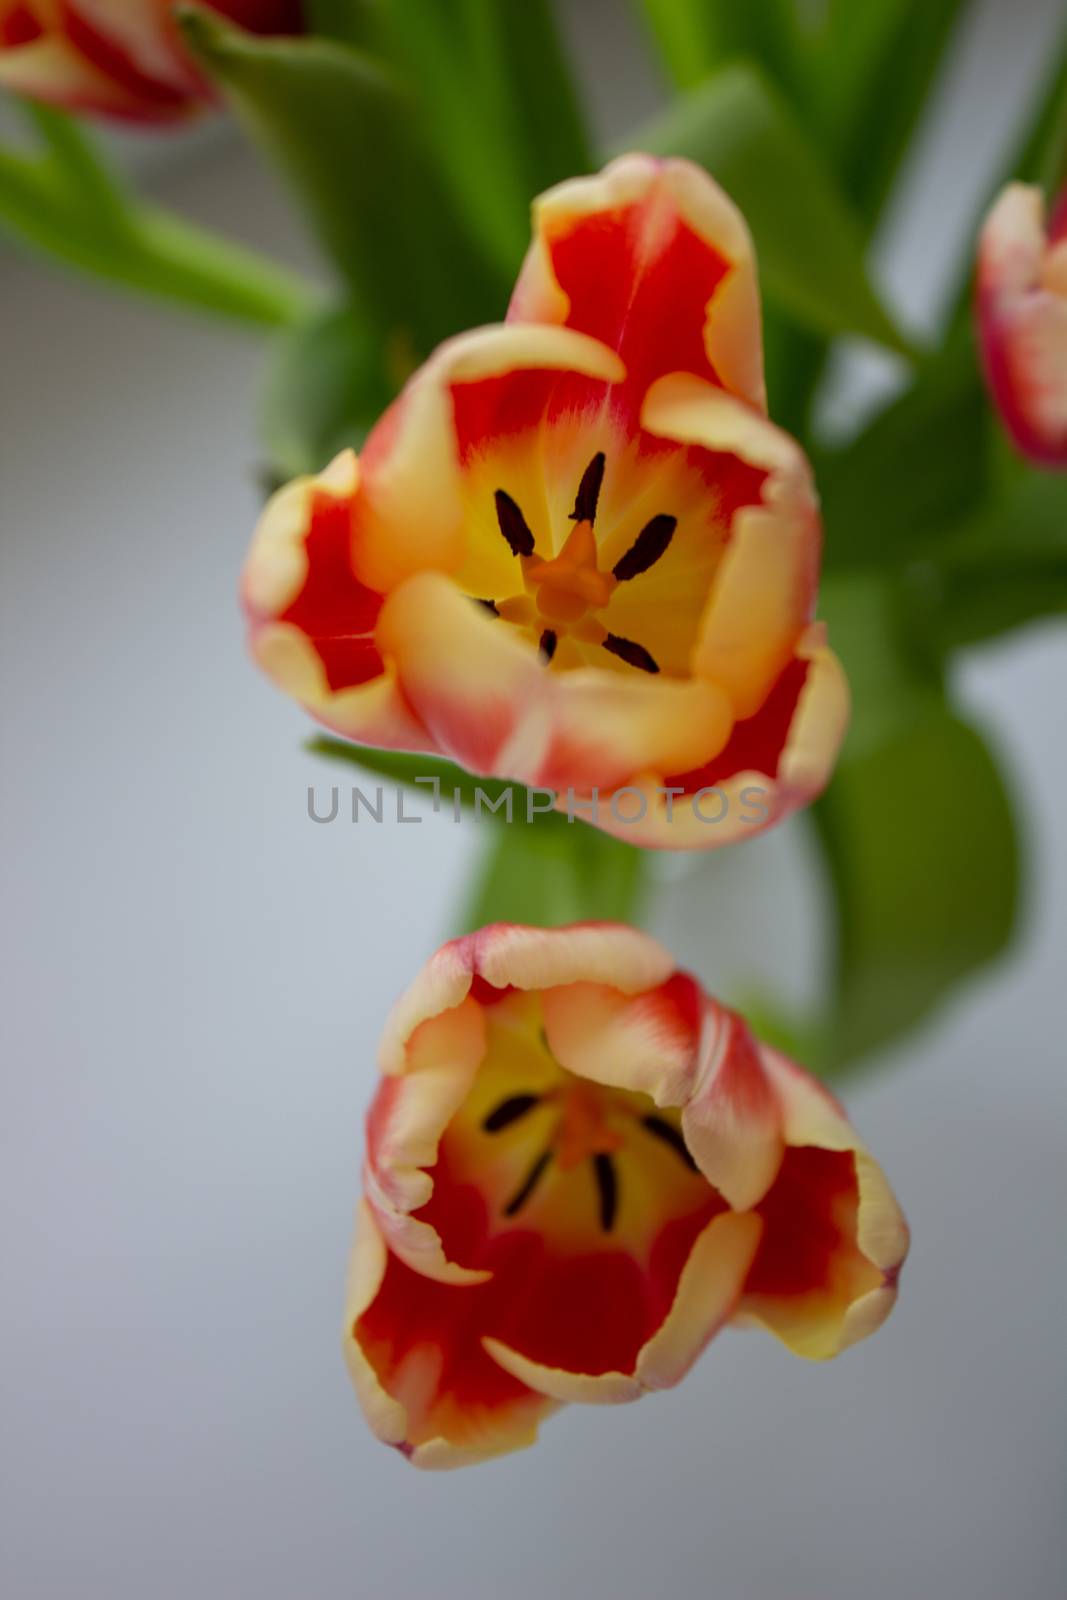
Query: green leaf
(696, 37)
(67, 206)
(810, 245)
(1005, 567)
(351, 140)
(327, 383)
(976, 604)
(495, 94)
(920, 840)
(893, 672)
(537, 110)
(357, 22)
(923, 464)
(916, 829)
(554, 872)
(872, 68)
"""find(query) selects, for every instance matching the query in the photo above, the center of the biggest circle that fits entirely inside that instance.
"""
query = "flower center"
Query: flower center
(563, 593)
(590, 1125)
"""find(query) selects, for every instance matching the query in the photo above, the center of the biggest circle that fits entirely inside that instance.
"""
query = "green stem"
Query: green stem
(77, 163)
(70, 204)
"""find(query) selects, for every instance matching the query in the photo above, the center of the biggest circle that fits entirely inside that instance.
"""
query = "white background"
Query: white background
(195, 976)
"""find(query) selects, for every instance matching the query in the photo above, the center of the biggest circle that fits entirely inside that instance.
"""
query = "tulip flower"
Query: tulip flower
(117, 58)
(575, 552)
(1022, 320)
(580, 1167)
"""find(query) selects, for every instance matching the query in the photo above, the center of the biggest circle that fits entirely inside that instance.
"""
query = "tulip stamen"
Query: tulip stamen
(672, 1136)
(565, 591)
(490, 606)
(513, 524)
(634, 654)
(528, 1185)
(651, 543)
(509, 1111)
(607, 1190)
(588, 496)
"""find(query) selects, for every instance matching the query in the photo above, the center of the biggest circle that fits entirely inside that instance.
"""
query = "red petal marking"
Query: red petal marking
(156, 98)
(493, 409)
(335, 610)
(588, 1312)
(809, 1219)
(649, 305)
(486, 993)
(411, 1312)
(734, 483)
(1057, 224)
(680, 1002)
(143, 96)
(756, 744)
(20, 26)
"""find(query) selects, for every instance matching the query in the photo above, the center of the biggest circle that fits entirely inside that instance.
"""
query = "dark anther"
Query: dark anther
(607, 1189)
(585, 502)
(490, 606)
(509, 1111)
(635, 654)
(513, 524)
(646, 549)
(671, 1136)
(529, 1184)
(548, 644)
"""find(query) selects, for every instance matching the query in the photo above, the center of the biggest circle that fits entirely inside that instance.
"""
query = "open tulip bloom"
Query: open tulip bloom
(579, 1168)
(1022, 319)
(117, 58)
(575, 552)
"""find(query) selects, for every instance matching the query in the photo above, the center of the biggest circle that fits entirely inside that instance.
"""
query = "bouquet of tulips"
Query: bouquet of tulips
(558, 536)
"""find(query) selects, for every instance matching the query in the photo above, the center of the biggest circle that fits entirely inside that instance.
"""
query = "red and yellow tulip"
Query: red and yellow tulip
(579, 1168)
(1022, 319)
(117, 58)
(575, 552)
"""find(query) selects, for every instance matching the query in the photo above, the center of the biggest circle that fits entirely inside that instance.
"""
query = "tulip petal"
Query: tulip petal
(766, 583)
(1022, 319)
(118, 58)
(653, 259)
(646, 1042)
(415, 514)
(51, 69)
(707, 1292)
(774, 762)
(834, 1237)
(404, 1128)
(606, 726)
(687, 1053)
(731, 1119)
(414, 1355)
(479, 688)
(585, 952)
(312, 621)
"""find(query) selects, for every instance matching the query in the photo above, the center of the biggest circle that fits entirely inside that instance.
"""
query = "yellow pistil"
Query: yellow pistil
(583, 1129)
(570, 584)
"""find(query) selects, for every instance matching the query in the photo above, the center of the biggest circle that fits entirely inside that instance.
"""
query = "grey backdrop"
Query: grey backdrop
(194, 979)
